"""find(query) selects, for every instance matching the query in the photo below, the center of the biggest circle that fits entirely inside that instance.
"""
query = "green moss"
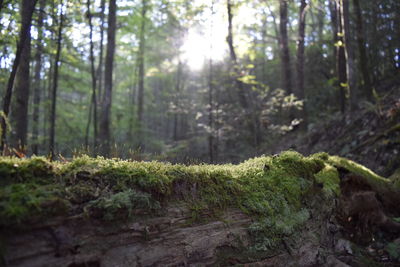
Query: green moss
(121, 205)
(13, 170)
(274, 191)
(378, 183)
(22, 203)
(329, 177)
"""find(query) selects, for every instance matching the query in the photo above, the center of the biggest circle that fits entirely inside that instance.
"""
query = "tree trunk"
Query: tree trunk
(55, 85)
(100, 66)
(210, 100)
(177, 91)
(141, 52)
(19, 108)
(132, 110)
(239, 84)
(93, 73)
(27, 9)
(334, 26)
(284, 46)
(104, 134)
(341, 58)
(300, 61)
(37, 86)
(250, 115)
(349, 55)
(367, 86)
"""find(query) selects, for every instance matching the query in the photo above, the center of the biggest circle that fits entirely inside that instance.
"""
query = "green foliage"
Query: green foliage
(270, 231)
(329, 177)
(372, 178)
(24, 203)
(37, 169)
(274, 191)
(121, 205)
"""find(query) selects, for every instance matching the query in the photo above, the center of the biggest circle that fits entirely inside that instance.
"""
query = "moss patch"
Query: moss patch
(273, 190)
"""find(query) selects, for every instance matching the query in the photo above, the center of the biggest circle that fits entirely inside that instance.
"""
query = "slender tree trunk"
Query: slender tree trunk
(89, 122)
(141, 53)
(100, 66)
(104, 134)
(367, 85)
(284, 46)
(211, 93)
(27, 9)
(19, 108)
(55, 85)
(132, 104)
(38, 81)
(341, 60)
(351, 78)
(300, 61)
(334, 26)
(264, 32)
(239, 84)
(250, 114)
(93, 72)
(177, 90)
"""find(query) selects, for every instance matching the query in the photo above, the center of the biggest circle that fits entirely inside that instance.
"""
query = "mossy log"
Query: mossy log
(270, 211)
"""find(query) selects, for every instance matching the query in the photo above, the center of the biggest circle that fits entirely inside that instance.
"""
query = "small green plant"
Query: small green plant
(20, 203)
(121, 205)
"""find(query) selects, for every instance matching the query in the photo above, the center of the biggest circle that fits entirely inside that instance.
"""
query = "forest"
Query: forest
(203, 81)
(199, 133)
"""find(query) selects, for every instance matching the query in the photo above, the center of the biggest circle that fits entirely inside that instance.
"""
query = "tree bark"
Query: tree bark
(37, 85)
(300, 61)
(55, 85)
(19, 108)
(104, 134)
(27, 8)
(367, 86)
(284, 46)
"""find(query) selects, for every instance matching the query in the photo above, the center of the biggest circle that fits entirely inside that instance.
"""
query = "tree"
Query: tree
(341, 65)
(351, 85)
(300, 59)
(19, 108)
(141, 52)
(104, 133)
(100, 66)
(93, 104)
(27, 8)
(367, 87)
(37, 79)
(233, 57)
(55, 83)
(284, 46)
